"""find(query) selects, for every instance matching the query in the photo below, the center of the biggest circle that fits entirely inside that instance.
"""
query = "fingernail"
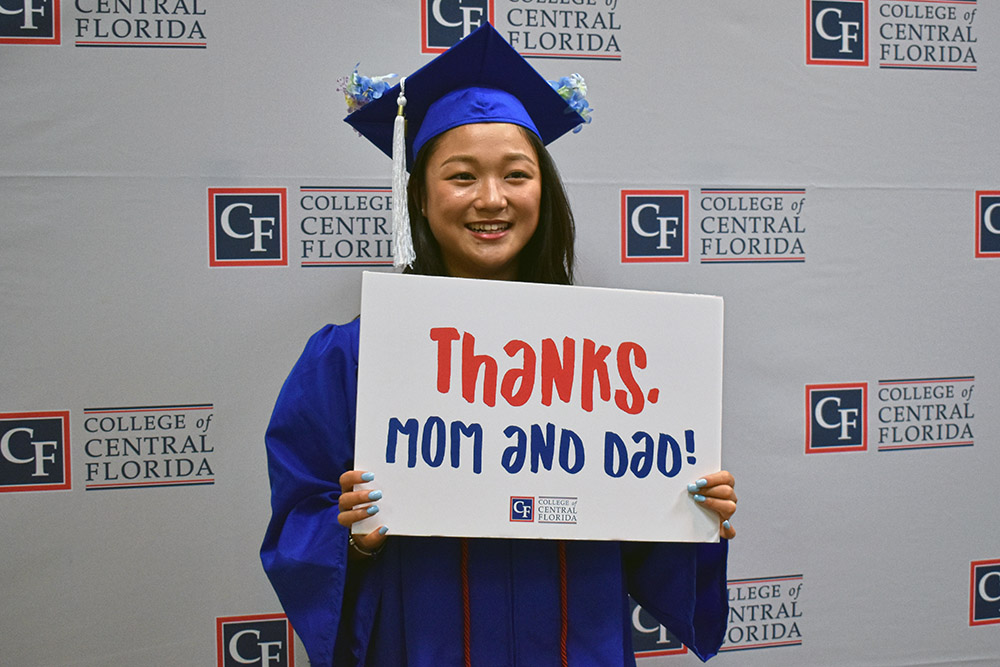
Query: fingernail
(698, 498)
(725, 524)
(368, 476)
(373, 510)
(383, 530)
(702, 483)
(692, 487)
(375, 495)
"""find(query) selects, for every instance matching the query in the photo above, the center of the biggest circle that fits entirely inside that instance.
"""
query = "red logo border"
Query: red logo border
(532, 499)
(979, 197)
(223, 620)
(67, 483)
(826, 61)
(427, 48)
(863, 447)
(685, 194)
(972, 592)
(55, 39)
(214, 261)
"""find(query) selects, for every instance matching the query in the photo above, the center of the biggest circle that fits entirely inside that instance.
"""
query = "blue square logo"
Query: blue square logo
(522, 508)
(654, 225)
(988, 224)
(264, 639)
(836, 418)
(837, 32)
(984, 605)
(34, 451)
(649, 638)
(445, 22)
(247, 227)
(29, 22)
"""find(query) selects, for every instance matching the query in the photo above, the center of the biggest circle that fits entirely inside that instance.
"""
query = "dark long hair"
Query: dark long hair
(548, 255)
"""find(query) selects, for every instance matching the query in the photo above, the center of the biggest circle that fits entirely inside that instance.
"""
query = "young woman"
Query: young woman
(485, 201)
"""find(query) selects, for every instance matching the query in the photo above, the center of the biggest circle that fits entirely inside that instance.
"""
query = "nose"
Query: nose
(491, 195)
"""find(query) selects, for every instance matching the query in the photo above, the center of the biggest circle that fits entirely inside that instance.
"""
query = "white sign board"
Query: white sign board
(504, 409)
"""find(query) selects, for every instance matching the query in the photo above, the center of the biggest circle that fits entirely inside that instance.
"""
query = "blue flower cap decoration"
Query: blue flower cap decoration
(573, 89)
(359, 90)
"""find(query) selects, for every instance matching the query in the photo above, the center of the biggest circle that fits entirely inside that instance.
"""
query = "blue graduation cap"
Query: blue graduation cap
(481, 79)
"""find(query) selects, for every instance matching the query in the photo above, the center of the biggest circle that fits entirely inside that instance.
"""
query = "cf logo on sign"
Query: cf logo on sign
(988, 224)
(29, 21)
(836, 418)
(448, 21)
(522, 508)
(984, 605)
(247, 227)
(263, 640)
(837, 33)
(654, 225)
(34, 451)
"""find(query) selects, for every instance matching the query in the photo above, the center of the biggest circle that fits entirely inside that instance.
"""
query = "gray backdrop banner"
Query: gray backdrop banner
(182, 207)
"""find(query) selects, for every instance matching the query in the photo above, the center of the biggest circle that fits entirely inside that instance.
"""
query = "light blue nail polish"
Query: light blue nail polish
(698, 498)
(702, 483)
(373, 510)
(368, 476)
(692, 487)
(726, 525)
(375, 495)
(383, 530)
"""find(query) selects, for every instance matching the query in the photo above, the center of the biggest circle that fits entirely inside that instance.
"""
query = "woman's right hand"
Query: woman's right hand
(357, 505)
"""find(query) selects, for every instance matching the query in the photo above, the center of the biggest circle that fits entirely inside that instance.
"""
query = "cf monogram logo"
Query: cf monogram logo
(472, 17)
(28, 9)
(258, 233)
(848, 29)
(667, 227)
(40, 457)
(848, 416)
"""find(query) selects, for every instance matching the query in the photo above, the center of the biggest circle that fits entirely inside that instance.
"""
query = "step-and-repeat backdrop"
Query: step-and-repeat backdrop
(182, 207)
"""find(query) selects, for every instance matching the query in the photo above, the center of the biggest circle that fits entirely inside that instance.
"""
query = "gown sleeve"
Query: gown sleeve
(310, 443)
(683, 585)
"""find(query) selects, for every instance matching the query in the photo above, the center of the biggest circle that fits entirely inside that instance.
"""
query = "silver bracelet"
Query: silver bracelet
(361, 550)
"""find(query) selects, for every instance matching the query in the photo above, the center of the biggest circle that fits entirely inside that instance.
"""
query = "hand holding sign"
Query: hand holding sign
(356, 506)
(717, 492)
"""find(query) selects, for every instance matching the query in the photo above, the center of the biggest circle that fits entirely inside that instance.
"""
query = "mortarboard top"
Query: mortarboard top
(480, 79)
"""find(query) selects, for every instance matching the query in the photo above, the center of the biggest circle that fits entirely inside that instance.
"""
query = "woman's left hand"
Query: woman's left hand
(717, 493)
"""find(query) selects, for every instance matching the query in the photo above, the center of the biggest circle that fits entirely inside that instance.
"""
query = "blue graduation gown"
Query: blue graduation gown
(405, 607)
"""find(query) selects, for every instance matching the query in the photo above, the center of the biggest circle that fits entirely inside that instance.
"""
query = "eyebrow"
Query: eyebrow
(508, 157)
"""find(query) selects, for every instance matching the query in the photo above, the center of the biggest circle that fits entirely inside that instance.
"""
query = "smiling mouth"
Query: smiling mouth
(488, 227)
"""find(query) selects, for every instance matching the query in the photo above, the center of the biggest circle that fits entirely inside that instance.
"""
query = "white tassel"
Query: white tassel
(404, 254)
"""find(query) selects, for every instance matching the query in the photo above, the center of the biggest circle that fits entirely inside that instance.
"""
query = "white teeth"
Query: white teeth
(488, 226)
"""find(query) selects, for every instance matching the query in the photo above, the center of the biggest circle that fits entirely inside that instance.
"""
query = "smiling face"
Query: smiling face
(483, 195)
